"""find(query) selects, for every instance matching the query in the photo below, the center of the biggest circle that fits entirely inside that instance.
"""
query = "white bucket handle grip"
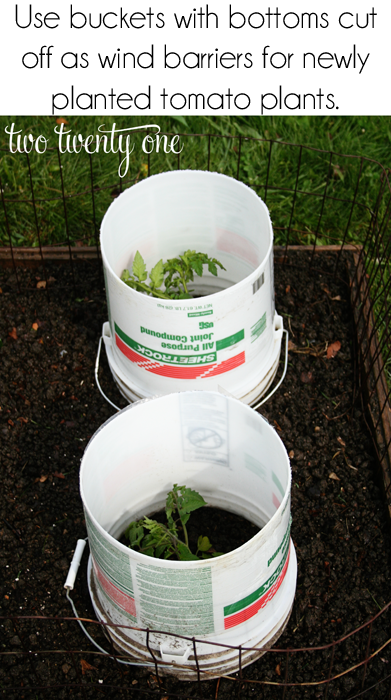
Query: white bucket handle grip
(75, 563)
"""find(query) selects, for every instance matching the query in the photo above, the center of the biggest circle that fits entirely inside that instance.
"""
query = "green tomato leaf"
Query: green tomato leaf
(157, 275)
(212, 268)
(162, 549)
(184, 517)
(191, 500)
(134, 533)
(170, 506)
(217, 262)
(125, 275)
(149, 540)
(184, 553)
(139, 269)
(150, 524)
(196, 264)
(203, 544)
(157, 540)
(184, 500)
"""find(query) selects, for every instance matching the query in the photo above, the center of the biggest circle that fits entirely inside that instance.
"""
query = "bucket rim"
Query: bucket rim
(143, 558)
(186, 302)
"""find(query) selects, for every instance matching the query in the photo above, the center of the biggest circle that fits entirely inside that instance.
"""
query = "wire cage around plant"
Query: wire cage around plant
(331, 221)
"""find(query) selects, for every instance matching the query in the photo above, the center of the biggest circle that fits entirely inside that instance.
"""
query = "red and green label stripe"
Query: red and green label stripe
(230, 340)
(105, 555)
(275, 499)
(172, 369)
(247, 607)
(125, 603)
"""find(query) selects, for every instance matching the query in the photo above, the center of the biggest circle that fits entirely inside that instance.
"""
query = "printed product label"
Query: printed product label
(275, 497)
(233, 243)
(180, 366)
(283, 542)
(112, 569)
(244, 609)
(278, 484)
(204, 421)
(176, 601)
(168, 358)
(255, 466)
(258, 328)
(259, 283)
(231, 340)
(192, 314)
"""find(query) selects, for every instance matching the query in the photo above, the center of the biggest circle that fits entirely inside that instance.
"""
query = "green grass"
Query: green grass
(312, 218)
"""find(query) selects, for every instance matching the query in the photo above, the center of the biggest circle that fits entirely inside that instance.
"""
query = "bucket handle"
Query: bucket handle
(270, 394)
(260, 403)
(69, 584)
(97, 378)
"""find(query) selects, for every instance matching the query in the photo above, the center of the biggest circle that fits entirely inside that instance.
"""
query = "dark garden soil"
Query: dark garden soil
(50, 407)
(226, 531)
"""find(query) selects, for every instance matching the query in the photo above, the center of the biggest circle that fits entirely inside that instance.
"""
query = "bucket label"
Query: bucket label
(114, 596)
(255, 466)
(180, 343)
(278, 484)
(231, 340)
(283, 542)
(192, 314)
(204, 422)
(259, 283)
(167, 364)
(237, 245)
(258, 328)
(112, 570)
(176, 601)
(244, 609)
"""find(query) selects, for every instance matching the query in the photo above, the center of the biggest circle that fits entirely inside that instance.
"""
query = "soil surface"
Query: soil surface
(50, 407)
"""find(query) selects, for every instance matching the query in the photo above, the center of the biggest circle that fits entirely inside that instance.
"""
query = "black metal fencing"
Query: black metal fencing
(353, 666)
(325, 200)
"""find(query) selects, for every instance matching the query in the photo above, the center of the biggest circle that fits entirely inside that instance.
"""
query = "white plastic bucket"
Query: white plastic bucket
(230, 337)
(235, 459)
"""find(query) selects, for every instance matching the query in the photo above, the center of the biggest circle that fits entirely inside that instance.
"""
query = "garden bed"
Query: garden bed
(50, 407)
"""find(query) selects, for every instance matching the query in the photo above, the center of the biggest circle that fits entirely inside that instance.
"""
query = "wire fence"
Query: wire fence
(316, 198)
(356, 665)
